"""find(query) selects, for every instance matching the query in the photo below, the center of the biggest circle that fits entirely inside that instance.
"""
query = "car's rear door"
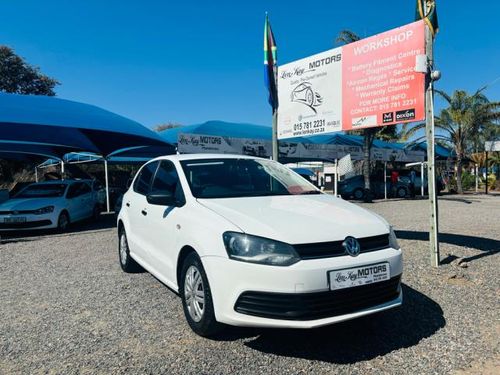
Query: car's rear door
(136, 207)
(161, 222)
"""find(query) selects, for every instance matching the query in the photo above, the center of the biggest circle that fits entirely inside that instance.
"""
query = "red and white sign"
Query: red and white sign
(379, 83)
(368, 83)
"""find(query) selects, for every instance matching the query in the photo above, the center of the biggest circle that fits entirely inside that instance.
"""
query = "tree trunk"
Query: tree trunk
(459, 176)
(367, 145)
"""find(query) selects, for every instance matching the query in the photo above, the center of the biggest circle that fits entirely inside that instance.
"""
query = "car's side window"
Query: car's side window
(167, 179)
(143, 181)
(73, 190)
(84, 189)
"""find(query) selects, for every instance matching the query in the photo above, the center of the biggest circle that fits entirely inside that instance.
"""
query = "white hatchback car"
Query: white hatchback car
(50, 204)
(248, 242)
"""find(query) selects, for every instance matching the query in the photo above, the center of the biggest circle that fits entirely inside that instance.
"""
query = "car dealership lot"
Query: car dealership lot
(67, 307)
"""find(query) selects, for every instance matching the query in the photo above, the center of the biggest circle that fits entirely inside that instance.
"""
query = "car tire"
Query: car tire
(96, 213)
(401, 192)
(196, 297)
(63, 222)
(127, 263)
(358, 194)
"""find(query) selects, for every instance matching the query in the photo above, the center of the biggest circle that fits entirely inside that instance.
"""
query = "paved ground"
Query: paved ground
(66, 307)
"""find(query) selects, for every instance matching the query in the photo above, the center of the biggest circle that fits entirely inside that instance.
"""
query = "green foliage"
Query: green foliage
(468, 180)
(19, 77)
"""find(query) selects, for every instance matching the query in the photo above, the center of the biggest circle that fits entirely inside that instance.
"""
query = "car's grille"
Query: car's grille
(335, 248)
(311, 306)
(25, 225)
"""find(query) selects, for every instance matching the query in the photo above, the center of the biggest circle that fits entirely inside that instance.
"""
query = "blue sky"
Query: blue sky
(192, 61)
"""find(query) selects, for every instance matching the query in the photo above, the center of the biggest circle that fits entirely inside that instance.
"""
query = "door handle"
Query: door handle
(127, 204)
(144, 212)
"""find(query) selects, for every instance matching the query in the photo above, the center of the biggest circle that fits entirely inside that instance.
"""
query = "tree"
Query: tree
(369, 134)
(17, 76)
(465, 123)
(165, 126)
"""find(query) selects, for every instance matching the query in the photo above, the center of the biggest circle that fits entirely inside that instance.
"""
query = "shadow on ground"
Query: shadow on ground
(356, 340)
(105, 221)
(487, 246)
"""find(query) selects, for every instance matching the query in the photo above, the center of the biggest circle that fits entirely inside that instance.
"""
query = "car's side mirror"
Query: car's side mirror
(164, 198)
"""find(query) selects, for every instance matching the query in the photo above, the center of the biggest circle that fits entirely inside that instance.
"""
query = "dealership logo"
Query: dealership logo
(351, 246)
(387, 117)
(407, 114)
(305, 94)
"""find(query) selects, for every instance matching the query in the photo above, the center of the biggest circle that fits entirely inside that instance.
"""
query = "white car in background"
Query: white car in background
(248, 242)
(51, 204)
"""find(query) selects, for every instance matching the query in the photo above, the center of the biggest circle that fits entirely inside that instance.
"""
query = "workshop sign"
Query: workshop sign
(368, 83)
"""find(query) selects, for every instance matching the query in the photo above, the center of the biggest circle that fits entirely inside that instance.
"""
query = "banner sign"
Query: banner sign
(369, 83)
(197, 143)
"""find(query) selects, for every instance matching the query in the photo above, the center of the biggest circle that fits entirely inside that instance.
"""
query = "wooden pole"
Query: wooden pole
(429, 129)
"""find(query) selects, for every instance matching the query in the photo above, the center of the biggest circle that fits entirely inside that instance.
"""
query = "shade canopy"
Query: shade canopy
(52, 127)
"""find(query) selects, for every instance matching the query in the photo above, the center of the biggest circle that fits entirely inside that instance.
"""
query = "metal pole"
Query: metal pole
(107, 183)
(422, 179)
(476, 172)
(486, 165)
(429, 129)
(336, 177)
(62, 169)
(275, 135)
(385, 180)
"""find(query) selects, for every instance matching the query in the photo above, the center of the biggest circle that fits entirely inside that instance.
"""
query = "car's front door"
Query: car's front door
(136, 206)
(75, 209)
(162, 221)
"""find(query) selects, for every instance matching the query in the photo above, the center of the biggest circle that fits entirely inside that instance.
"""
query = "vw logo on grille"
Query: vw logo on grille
(351, 246)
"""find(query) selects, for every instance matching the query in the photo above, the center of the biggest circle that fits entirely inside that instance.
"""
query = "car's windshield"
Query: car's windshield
(42, 191)
(230, 178)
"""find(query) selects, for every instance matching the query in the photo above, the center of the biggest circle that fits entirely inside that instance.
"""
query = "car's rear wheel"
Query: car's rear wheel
(401, 192)
(128, 264)
(358, 194)
(197, 298)
(63, 222)
(96, 213)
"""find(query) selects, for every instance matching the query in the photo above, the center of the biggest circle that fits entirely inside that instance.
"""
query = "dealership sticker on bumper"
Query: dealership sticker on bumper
(351, 277)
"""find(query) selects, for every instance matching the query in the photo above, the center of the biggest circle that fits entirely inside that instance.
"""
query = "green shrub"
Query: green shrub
(468, 180)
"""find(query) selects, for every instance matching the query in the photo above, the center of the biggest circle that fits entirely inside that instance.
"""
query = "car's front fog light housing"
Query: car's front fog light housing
(253, 249)
(393, 241)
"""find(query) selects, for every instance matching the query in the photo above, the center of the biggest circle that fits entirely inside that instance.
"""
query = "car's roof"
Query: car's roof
(181, 157)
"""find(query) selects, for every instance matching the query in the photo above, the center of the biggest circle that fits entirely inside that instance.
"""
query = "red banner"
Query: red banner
(379, 83)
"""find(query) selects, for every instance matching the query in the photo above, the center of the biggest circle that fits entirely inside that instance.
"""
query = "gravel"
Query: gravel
(66, 307)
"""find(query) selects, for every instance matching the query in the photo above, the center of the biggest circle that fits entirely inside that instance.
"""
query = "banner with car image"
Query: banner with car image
(198, 143)
(369, 83)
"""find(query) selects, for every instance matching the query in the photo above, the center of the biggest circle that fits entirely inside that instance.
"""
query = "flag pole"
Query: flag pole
(275, 135)
(430, 134)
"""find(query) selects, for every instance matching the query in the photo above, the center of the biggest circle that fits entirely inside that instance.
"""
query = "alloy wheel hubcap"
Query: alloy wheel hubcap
(194, 293)
(123, 249)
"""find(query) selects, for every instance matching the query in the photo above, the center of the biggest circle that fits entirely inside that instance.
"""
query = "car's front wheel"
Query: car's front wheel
(63, 222)
(128, 264)
(197, 298)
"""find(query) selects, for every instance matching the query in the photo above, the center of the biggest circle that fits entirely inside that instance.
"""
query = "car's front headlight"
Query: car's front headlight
(259, 250)
(44, 210)
(393, 241)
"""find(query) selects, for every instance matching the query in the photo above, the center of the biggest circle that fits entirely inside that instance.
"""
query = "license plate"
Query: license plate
(352, 277)
(14, 220)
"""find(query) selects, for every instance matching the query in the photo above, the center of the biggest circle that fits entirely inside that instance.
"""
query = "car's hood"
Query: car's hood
(27, 203)
(298, 219)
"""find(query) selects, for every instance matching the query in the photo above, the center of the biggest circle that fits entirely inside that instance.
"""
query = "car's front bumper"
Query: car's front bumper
(231, 281)
(30, 222)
